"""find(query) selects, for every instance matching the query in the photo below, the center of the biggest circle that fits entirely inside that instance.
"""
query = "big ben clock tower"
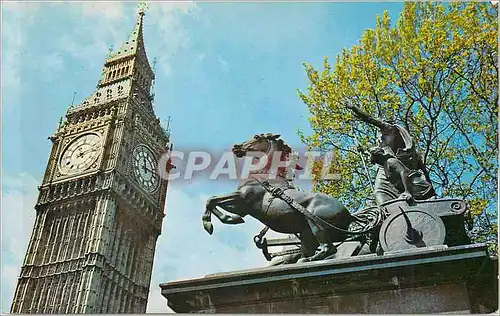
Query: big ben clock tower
(100, 205)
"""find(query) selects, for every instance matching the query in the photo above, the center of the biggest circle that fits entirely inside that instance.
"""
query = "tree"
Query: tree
(435, 72)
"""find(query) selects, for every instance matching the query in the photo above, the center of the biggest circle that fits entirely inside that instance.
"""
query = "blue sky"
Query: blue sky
(225, 72)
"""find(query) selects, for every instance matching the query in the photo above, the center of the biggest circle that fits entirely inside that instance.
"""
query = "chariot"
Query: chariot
(393, 226)
(322, 225)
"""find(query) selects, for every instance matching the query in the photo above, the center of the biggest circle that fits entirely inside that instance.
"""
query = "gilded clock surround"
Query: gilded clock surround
(80, 154)
(144, 168)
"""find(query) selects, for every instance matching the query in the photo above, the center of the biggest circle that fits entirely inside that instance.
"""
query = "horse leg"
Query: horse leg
(374, 242)
(326, 247)
(206, 219)
(228, 206)
(211, 208)
(308, 244)
(323, 236)
(332, 211)
(221, 201)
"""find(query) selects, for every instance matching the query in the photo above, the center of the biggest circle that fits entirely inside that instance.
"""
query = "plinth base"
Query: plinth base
(460, 279)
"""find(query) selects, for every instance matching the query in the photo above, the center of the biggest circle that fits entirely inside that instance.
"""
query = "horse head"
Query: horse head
(267, 144)
(260, 143)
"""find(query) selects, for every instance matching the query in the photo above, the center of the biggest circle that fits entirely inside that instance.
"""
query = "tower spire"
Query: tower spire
(135, 42)
(142, 7)
(127, 69)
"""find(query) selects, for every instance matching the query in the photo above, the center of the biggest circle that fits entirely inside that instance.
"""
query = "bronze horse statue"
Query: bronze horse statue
(252, 199)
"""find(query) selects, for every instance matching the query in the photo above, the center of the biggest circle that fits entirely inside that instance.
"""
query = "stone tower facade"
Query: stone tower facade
(100, 205)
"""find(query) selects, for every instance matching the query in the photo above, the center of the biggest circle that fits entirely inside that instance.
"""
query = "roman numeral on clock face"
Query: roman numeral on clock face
(145, 168)
(80, 154)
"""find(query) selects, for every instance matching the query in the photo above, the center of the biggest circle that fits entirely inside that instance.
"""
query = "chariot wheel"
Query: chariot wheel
(411, 228)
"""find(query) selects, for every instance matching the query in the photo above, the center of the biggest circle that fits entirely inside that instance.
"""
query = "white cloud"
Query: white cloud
(18, 199)
(200, 57)
(169, 34)
(11, 61)
(95, 27)
(18, 18)
(51, 62)
(100, 25)
(9, 282)
(184, 250)
(223, 62)
(109, 11)
(12, 45)
(23, 7)
(106, 24)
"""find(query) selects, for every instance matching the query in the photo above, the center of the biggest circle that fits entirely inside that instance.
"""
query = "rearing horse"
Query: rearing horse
(251, 198)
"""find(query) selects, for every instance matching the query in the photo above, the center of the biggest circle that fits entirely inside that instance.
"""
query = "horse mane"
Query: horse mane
(282, 146)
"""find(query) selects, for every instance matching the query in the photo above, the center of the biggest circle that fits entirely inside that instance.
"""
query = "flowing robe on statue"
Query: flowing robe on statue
(388, 186)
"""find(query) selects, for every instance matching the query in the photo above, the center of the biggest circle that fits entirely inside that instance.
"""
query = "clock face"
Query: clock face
(144, 168)
(80, 154)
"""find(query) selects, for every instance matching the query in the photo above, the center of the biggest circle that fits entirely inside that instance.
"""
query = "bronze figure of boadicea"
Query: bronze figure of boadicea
(406, 215)
(401, 171)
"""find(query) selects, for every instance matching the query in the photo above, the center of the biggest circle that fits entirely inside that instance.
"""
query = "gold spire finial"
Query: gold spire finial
(142, 7)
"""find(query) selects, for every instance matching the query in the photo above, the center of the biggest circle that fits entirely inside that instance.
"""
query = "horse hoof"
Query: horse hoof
(236, 220)
(303, 260)
(380, 251)
(209, 227)
(227, 219)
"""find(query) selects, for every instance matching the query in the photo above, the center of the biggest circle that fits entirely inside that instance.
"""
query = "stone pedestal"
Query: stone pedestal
(439, 279)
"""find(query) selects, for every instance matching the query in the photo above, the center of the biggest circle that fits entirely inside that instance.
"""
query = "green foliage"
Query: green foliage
(436, 72)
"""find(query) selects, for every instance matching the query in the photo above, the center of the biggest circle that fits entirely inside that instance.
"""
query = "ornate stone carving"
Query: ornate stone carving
(95, 207)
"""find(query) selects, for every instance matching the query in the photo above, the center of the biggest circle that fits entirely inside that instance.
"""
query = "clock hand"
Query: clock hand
(92, 148)
(146, 168)
(81, 153)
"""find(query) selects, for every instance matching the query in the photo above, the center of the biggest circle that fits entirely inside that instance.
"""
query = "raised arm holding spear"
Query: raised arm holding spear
(401, 171)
